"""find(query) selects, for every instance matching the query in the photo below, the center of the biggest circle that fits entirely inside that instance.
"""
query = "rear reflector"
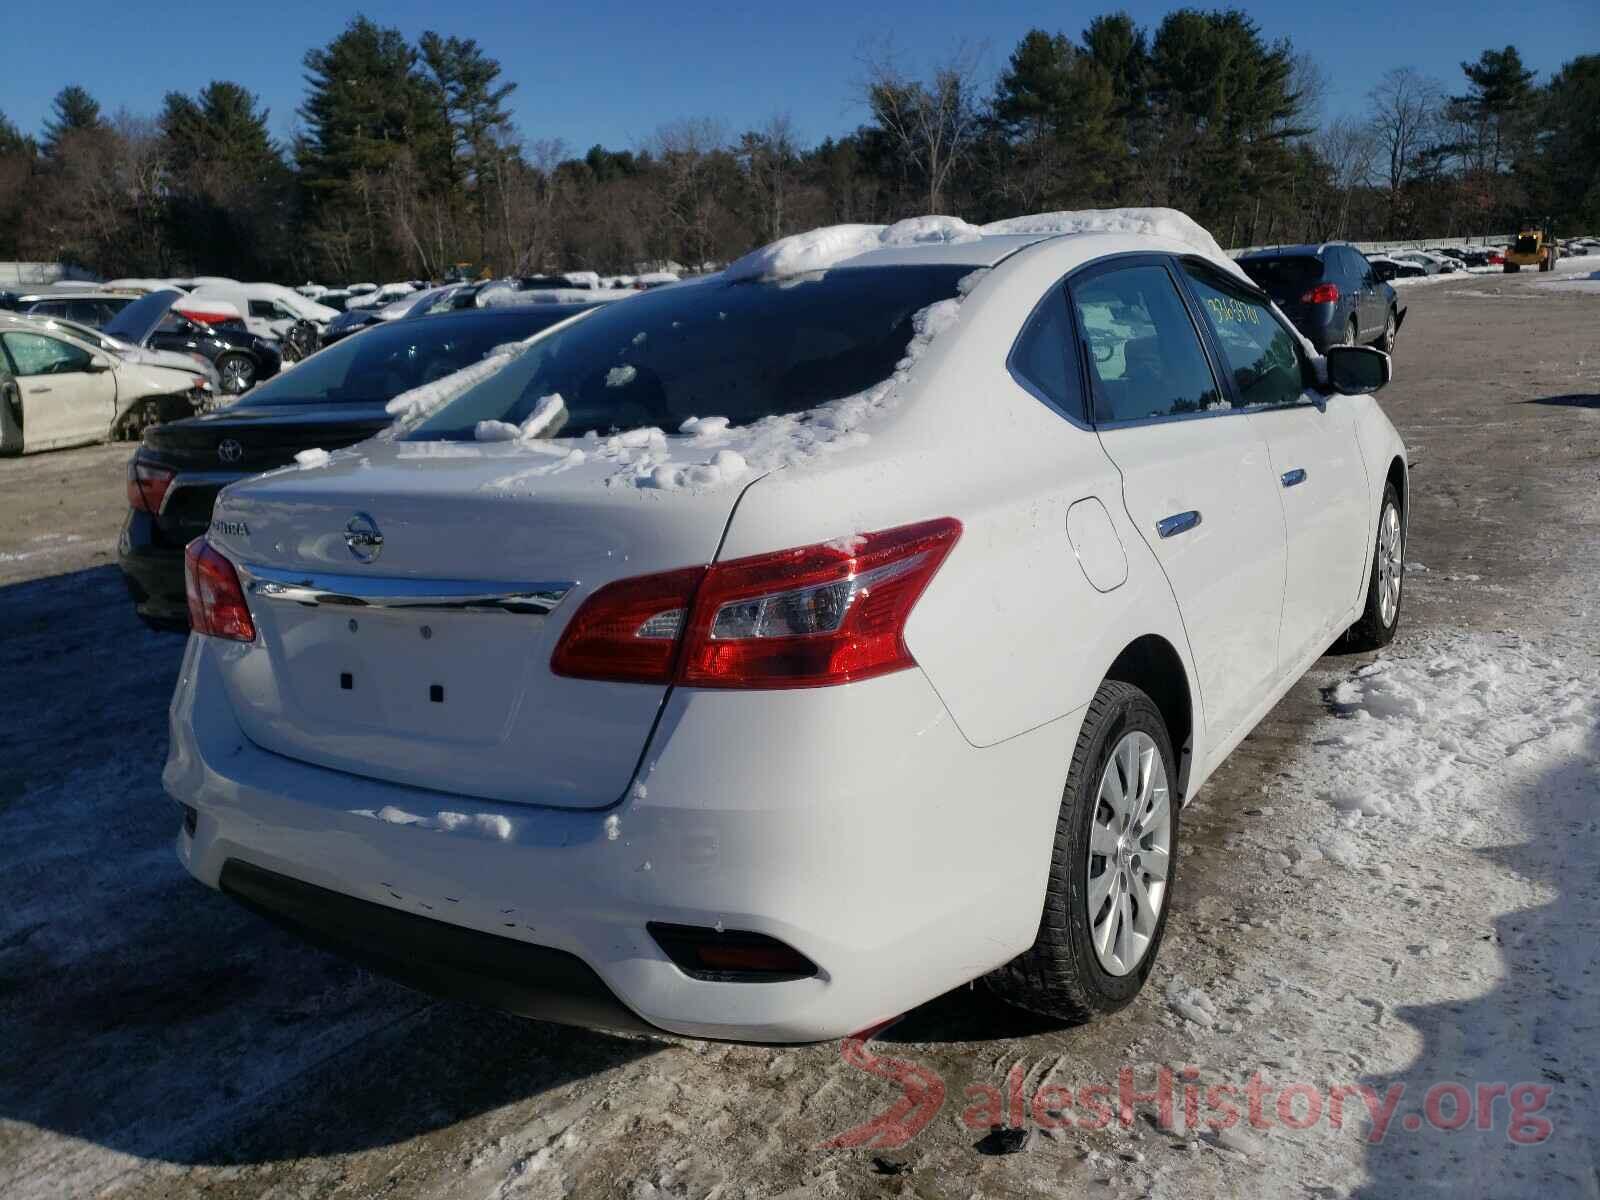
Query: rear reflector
(1323, 293)
(730, 955)
(216, 601)
(147, 485)
(809, 617)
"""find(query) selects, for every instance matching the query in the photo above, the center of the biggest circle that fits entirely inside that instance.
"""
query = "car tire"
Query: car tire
(238, 372)
(1066, 974)
(1385, 587)
(1386, 339)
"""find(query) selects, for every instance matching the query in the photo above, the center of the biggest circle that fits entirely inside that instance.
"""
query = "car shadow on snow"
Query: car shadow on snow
(1572, 400)
(143, 1014)
(1530, 1045)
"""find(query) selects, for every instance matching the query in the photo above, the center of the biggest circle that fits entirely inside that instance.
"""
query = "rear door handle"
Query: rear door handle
(1177, 523)
(38, 391)
(1296, 476)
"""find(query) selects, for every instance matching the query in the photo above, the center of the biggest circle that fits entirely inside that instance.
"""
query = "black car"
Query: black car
(242, 360)
(1330, 292)
(333, 399)
(450, 298)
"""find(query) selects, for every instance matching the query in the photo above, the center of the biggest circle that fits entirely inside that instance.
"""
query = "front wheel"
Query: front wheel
(238, 374)
(1381, 618)
(1111, 867)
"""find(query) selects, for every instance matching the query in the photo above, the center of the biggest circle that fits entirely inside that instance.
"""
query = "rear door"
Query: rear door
(1197, 479)
(64, 403)
(1316, 461)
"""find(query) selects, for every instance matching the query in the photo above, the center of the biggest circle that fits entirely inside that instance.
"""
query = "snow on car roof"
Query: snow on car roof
(942, 239)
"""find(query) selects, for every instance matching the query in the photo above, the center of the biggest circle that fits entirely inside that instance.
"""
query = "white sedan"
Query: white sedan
(764, 656)
(63, 384)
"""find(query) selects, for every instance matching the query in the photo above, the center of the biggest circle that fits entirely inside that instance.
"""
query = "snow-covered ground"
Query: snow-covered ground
(1393, 884)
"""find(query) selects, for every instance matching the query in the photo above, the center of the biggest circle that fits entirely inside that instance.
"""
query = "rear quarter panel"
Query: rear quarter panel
(1011, 632)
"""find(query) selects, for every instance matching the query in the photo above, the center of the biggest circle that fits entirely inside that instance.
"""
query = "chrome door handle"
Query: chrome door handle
(37, 391)
(1177, 523)
(1296, 476)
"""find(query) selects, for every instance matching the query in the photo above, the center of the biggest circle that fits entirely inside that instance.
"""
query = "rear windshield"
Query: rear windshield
(378, 364)
(743, 350)
(1286, 276)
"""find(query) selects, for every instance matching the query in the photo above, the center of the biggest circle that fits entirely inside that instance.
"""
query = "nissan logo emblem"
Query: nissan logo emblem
(363, 538)
(229, 450)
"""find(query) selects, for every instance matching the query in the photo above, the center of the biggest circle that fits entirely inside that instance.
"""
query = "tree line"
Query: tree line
(406, 162)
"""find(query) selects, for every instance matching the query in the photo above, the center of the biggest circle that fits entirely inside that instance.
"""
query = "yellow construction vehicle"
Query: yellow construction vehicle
(1535, 246)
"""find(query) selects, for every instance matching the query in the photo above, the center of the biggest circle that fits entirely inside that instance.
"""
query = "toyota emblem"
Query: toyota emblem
(363, 538)
(229, 450)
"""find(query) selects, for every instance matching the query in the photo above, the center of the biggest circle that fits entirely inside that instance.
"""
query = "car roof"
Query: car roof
(86, 294)
(982, 251)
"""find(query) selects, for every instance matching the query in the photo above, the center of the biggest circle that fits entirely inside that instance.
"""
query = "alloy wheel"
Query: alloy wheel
(237, 375)
(1130, 849)
(1391, 567)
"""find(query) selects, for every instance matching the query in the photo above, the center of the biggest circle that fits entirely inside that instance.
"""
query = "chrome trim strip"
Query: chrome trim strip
(415, 595)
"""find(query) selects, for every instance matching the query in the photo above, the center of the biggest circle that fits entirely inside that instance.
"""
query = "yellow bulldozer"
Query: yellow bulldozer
(1536, 246)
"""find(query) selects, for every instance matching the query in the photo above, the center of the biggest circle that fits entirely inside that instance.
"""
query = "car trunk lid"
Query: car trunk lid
(366, 658)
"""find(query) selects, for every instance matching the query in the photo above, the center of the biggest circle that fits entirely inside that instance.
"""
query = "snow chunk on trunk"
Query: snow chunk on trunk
(819, 249)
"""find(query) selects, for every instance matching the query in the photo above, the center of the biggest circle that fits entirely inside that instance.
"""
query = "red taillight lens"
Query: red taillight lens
(147, 485)
(809, 617)
(628, 631)
(1323, 293)
(216, 601)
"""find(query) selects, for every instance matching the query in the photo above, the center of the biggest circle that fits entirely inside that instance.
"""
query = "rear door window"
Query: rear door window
(1258, 352)
(1145, 357)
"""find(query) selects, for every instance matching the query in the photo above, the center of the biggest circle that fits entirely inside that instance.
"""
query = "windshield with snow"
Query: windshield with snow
(379, 364)
(743, 351)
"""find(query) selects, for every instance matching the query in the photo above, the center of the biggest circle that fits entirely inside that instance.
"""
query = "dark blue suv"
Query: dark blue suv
(1330, 292)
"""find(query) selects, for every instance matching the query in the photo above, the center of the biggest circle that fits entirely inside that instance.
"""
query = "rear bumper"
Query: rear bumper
(447, 960)
(854, 824)
(153, 572)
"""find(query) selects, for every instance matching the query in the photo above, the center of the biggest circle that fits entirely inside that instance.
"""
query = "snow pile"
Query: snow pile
(492, 826)
(544, 416)
(1139, 222)
(819, 249)
(315, 457)
(411, 408)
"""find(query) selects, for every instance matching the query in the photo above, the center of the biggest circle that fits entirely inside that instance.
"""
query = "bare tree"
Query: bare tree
(1347, 146)
(771, 156)
(934, 123)
(1405, 122)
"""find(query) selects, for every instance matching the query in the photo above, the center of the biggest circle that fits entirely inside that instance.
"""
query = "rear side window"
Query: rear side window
(1145, 358)
(1258, 352)
(744, 351)
(1045, 359)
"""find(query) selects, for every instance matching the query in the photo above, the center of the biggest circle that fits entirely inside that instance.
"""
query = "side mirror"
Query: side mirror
(97, 366)
(1357, 370)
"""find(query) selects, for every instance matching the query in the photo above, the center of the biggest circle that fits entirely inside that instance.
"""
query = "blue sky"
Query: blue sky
(612, 72)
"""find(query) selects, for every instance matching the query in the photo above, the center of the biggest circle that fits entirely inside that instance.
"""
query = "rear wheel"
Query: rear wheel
(1381, 618)
(1111, 870)
(1390, 328)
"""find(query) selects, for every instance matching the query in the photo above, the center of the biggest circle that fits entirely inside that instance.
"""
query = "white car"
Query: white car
(764, 656)
(67, 385)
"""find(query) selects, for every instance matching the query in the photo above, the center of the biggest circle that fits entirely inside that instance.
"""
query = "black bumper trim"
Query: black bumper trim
(434, 956)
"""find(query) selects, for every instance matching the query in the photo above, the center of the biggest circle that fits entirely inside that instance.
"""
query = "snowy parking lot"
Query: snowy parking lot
(1382, 976)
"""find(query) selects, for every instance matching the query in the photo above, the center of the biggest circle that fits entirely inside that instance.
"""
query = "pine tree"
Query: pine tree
(75, 111)
(1500, 105)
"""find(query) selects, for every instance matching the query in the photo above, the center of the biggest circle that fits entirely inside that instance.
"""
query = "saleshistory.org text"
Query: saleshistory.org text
(1182, 1100)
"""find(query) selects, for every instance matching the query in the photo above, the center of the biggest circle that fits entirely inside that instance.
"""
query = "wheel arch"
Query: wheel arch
(1153, 665)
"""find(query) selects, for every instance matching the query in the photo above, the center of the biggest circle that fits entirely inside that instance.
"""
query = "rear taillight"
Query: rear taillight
(809, 617)
(147, 485)
(1323, 293)
(216, 601)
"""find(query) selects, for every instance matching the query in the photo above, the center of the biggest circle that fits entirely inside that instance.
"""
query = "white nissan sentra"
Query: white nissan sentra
(762, 656)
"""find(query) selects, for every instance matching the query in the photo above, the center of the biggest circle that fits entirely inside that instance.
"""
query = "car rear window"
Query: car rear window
(1285, 276)
(378, 364)
(743, 350)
